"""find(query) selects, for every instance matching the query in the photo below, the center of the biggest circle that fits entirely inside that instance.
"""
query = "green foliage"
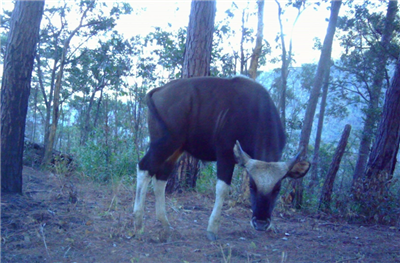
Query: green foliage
(102, 160)
(170, 48)
(207, 179)
(227, 52)
(307, 75)
(360, 32)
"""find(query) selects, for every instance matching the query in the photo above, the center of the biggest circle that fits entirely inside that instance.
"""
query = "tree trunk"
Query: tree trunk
(286, 61)
(49, 144)
(315, 161)
(196, 63)
(323, 65)
(382, 160)
(88, 126)
(258, 48)
(15, 89)
(47, 100)
(326, 195)
(243, 60)
(372, 113)
(284, 72)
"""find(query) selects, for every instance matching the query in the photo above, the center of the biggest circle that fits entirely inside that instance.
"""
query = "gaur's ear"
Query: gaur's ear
(299, 170)
(241, 157)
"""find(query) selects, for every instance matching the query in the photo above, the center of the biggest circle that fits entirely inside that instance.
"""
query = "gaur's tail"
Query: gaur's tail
(154, 112)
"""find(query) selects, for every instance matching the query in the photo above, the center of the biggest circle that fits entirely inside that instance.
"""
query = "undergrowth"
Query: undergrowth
(103, 162)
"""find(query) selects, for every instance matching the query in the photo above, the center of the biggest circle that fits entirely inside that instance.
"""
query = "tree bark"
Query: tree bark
(196, 63)
(372, 113)
(326, 195)
(323, 65)
(382, 160)
(15, 89)
(197, 59)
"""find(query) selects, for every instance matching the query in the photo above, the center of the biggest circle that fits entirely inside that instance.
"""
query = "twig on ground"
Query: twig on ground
(44, 239)
(66, 252)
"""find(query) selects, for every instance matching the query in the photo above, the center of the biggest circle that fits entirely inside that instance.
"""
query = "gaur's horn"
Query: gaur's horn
(241, 157)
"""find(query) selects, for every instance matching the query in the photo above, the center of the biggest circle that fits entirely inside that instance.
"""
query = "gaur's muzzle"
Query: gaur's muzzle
(260, 225)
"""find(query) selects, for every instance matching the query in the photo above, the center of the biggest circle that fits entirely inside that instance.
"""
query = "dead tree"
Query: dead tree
(326, 194)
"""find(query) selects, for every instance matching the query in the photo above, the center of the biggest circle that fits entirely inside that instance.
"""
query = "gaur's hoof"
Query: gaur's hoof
(211, 236)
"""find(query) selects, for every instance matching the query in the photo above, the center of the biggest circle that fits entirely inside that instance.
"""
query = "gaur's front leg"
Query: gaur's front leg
(222, 190)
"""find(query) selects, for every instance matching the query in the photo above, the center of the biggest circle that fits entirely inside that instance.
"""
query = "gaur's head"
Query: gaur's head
(265, 183)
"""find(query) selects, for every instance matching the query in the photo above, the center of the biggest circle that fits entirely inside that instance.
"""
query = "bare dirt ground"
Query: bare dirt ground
(70, 219)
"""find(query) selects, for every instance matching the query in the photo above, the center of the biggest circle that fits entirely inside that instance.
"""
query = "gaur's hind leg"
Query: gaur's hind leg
(142, 182)
(159, 183)
(161, 164)
(161, 213)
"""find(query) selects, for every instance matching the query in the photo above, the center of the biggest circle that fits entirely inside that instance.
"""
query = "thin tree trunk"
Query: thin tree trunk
(286, 61)
(35, 102)
(326, 195)
(323, 65)
(315, 161)
(15, 89)
(49, 144)
(96, 117)
(196, 63)
(88, 127)
(242, 58)
(47, 100)
(372, 113)
(284, 72)
(258, 48)
(56, 104)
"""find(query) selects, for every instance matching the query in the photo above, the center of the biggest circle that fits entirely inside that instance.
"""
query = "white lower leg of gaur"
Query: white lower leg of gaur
(142, 182)
(222, 190)
(159, 192)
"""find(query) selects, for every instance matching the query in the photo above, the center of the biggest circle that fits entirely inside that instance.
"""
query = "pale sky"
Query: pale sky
(311, 23)
(159, 13)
